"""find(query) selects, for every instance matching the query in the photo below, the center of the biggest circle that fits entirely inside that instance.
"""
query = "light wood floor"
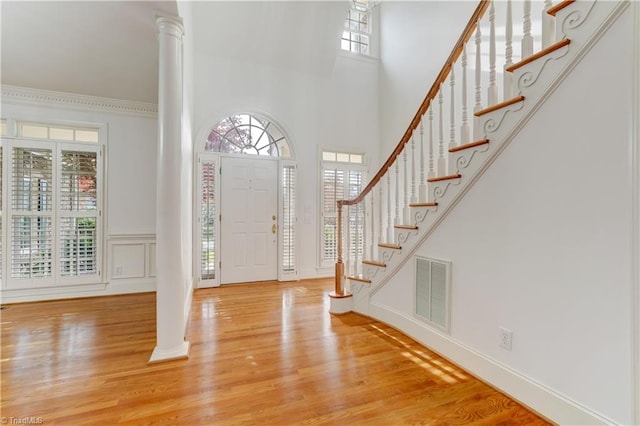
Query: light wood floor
(261, 354)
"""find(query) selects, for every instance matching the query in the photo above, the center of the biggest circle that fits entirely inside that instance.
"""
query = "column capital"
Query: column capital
(170, 25)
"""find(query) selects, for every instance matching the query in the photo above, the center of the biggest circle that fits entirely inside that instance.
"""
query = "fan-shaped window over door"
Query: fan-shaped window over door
(247, 134)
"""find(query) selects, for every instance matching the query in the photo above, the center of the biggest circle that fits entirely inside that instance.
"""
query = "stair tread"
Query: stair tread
(390, 246)
(374, 263)
(363, 280)
(555, 46)
(405, 226)
(558, 7)
(423, 205)
(498, 106)
(469, 145)
(437, 179)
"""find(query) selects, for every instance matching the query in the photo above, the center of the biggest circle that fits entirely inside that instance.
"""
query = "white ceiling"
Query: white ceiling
(110, 48)
(99, 48)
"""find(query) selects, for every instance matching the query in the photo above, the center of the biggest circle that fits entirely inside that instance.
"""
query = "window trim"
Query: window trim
(346, 28)
(348, 166)
(56, 280)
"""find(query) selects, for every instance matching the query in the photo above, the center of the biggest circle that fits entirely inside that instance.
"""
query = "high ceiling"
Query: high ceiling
(99, 48)
(110, 48)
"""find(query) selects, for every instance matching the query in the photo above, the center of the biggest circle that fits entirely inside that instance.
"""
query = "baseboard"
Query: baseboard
(78, 291)
(543, 400)
(311, 273)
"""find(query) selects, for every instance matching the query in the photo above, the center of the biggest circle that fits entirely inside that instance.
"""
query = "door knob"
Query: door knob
(274, 228)
(273, 217)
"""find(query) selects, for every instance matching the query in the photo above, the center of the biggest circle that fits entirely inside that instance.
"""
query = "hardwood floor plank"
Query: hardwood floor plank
(266, 353)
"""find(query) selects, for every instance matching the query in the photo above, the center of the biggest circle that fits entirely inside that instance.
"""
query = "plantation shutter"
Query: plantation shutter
(333, 189)
(288, 222)
(31, 245)
(208, 218)
(356, 214)
(52, 213)
(78, 210)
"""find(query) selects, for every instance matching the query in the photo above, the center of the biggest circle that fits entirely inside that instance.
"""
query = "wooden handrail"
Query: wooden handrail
(444, 72)
(442, 76)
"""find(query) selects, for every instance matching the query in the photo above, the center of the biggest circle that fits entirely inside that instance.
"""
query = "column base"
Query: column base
(340, 303)
(160, 355)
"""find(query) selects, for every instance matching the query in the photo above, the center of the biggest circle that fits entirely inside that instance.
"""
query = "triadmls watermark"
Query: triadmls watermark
(26, 420)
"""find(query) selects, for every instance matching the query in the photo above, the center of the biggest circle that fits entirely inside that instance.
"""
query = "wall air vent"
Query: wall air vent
(433, 291)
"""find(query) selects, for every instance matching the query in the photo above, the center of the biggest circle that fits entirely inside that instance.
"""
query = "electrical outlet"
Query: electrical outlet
(506, 338)
(117, 270)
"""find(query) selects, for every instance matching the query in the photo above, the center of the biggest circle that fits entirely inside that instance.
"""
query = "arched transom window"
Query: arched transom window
(247, 134)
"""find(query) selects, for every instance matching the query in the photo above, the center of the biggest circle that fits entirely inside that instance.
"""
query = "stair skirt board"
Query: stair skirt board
(539, 398)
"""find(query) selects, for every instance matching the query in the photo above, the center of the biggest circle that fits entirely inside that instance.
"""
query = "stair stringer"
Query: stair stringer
(583, 23)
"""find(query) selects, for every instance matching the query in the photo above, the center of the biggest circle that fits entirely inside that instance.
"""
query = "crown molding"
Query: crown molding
(25, 95)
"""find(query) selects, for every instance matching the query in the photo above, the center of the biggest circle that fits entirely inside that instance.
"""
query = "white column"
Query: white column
(170, 297)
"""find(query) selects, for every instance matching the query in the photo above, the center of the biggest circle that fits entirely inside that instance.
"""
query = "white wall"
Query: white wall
(337, 110)
(416, 39)
(543, 243)
(130, 176)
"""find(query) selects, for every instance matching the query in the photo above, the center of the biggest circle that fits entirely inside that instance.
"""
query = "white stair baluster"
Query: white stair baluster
(414, 198)
(492, 91)
(397, 219)
(356, 236)
(464, 128)
(548, 25)
(452, 119)
(432, 171)
(527, 39)
(477, 131)
(347, 237)
(389, 215)
(405, 190)
(372, 225)
(423, 180)
(381, 234)
(442, 161)
(508, 88)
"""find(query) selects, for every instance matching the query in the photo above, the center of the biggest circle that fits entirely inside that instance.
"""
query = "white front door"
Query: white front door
(248, 223)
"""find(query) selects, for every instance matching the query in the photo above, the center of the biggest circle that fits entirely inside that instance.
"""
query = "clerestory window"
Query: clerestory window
(356, 36)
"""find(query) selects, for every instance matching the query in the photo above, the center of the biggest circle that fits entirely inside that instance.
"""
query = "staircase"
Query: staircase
(444, 151)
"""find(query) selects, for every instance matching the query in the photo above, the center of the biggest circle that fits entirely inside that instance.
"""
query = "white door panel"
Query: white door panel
(249, 207)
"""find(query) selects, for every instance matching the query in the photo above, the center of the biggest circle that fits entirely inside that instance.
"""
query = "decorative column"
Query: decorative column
(170, 288)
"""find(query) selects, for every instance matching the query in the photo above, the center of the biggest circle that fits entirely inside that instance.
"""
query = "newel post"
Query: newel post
(340, 299)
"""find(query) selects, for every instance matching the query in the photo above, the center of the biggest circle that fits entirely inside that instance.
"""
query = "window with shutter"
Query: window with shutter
(31, 213)
(288, 213)
(51, 218)
(208, 219)
(78, 213)
(342, 177)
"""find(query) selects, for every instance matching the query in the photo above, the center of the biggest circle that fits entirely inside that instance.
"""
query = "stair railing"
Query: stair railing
(403, 180)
